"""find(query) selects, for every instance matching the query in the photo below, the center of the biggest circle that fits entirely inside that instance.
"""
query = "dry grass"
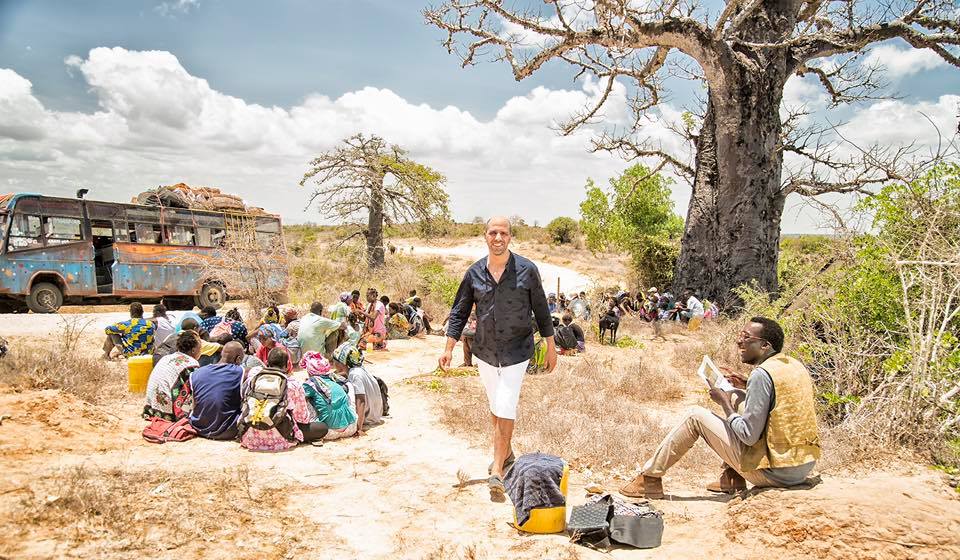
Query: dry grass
(33, 364)
(324, 271)
(122, 513)
(602, 413)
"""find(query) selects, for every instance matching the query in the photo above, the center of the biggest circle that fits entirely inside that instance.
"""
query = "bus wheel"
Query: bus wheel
(45, 298)
(213, 294)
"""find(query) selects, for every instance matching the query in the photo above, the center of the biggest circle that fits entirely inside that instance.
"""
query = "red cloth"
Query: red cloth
(263, 351)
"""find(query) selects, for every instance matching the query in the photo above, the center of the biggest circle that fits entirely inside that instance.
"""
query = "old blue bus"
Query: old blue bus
(70, 250)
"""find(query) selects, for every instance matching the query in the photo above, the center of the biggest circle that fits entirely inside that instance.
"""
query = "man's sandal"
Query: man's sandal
(507, 463)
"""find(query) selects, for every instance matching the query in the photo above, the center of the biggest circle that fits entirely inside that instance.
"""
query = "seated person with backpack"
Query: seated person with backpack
(231, 324)
(274, 415)
(569, 336)
(332, 401)
(371, 399)
(216, 395)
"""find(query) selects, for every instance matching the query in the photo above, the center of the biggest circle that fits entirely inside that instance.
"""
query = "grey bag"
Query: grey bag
(637, 525)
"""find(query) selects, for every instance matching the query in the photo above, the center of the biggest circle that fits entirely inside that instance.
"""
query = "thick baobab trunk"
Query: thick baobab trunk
(375, 256)
(733, 223)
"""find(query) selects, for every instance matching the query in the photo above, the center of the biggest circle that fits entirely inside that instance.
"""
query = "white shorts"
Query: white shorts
(503, 387)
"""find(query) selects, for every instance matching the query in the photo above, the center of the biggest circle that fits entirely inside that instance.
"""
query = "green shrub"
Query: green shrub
(563, 230)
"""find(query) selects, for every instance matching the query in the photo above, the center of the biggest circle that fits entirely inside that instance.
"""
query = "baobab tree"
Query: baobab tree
(368, 175)
(744, 54)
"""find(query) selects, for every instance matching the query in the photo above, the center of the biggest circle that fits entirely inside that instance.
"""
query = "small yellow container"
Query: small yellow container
(138, 372)
(694, 324)
(547, 520)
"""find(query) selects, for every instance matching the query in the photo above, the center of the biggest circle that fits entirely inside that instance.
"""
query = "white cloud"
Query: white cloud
(903, 62)
(157, 124)
(173, 7)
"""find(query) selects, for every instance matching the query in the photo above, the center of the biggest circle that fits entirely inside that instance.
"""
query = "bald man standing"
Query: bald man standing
(507, 292)
(216, 395)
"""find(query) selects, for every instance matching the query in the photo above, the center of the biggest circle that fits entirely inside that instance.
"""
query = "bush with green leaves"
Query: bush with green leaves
(635, 214)
(875, 316)
(563, 230)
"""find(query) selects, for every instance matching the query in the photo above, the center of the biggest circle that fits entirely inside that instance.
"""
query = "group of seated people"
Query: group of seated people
(660, 306)
(229, 382)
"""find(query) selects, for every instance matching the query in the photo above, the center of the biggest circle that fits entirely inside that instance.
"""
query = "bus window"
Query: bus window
(268, 232)
(62, 230)
(121, 234)
(147, 233)
(25, 232)
(210, 237)
(180, 235)
(101, 230)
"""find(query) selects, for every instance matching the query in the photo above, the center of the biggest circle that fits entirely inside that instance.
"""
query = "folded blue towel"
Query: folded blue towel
(534, 482)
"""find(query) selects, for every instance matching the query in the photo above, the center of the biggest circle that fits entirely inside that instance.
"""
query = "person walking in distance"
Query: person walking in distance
(506, 290)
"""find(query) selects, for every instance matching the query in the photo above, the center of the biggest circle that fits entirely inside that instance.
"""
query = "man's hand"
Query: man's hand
(447, 356)
(445, 359)
(736, 379)
(722, 398)
(551, 354)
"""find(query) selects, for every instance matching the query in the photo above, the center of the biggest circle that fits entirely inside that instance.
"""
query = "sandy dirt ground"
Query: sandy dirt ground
(394, 493)
(409, 489)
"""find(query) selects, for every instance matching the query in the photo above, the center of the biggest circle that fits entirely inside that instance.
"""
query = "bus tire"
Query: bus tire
(213, 294)
(45, 298)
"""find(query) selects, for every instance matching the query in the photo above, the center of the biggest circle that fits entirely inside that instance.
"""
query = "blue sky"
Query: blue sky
(127, 94)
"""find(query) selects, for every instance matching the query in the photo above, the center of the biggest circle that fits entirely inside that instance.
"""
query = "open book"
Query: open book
(713, 378)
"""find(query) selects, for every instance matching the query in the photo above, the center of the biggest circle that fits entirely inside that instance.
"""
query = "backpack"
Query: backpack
(265, 406)
(384, 394)
(223, 327)
(565, 338)
(162, 431)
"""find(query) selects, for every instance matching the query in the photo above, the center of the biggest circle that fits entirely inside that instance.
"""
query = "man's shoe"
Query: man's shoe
(730, 482)
(497, 489)
(507, 463)
(644, 487)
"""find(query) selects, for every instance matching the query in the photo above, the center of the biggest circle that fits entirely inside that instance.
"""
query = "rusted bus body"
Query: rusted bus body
(57, 250)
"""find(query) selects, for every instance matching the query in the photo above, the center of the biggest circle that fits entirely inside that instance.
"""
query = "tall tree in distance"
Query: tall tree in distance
(743, 52)
(365, 175)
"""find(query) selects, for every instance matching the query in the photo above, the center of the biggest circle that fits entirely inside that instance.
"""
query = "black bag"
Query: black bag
(589, 524)
(607, 519)
(566, 339)
(385, 394)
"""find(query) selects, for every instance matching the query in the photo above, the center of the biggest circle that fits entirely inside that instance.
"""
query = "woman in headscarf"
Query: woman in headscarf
(340, 310)
(269, 341)
(168, 389)
(333, 404)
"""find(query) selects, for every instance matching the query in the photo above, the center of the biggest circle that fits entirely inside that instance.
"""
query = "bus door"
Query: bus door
(108, 226)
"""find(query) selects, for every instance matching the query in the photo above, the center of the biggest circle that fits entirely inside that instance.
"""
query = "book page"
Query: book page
(714, 377)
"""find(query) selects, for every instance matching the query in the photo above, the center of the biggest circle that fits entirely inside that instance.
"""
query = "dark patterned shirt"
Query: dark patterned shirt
(504, 334)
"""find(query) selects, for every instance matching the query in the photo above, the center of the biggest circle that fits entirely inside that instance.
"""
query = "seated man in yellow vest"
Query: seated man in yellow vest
(773, 442)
